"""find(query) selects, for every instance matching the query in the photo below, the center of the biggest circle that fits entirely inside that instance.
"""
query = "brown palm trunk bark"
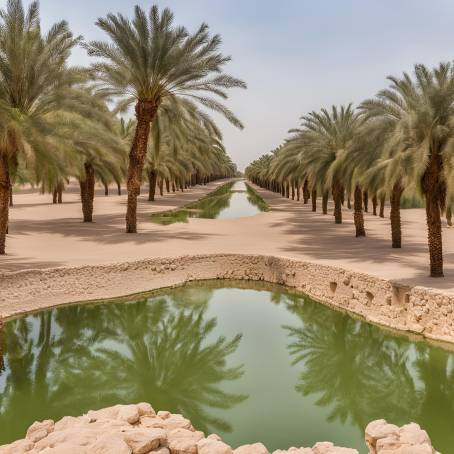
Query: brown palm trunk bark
(161, 187)
(118, 188)
(11, 201)
(167, 185)
(106, 189)
(449, 216)
(434, 193)
(396, 229)
(306, 193)
(60, 193)
(298, 192)
(5, 185)
(173, 186)
(145, 113)
(87, 192)
(152, 177)
(349, 201)
(293, 191)
(366, 201)
(54, 196)
(314, 199)
(358, 212)
(338, 191)
(382, 206)
(325, 198)
(374, 205)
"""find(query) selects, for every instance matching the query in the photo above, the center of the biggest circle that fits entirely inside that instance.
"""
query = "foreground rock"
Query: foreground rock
(138, 429)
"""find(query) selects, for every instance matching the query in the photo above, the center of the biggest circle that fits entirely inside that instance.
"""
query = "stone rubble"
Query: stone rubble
(138, 429)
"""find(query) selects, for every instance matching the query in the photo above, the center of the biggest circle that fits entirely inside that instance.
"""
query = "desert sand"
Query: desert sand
(43, 235)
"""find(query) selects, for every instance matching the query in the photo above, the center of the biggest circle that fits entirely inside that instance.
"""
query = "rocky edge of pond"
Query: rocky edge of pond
(138, 429)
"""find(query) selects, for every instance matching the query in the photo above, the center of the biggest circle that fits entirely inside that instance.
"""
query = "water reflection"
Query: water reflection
(69, 360)
(362, 373)
(231, 200)
(318, 372)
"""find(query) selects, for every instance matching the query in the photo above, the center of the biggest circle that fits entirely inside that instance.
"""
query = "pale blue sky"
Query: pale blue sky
(295, 55)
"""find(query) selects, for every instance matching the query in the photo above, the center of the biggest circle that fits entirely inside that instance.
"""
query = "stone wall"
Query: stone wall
(417, 310)
(138, 429)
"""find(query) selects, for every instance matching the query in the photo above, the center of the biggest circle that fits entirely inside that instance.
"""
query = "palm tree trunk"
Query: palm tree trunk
(293, 191)
(5, 184)
(325, 197)
(314, 199)
(152, 177)
(374, 205)
(349, 201)
(60, 193)
(382, 206)
(173, 186)
(337, 190)
(161, 187)
(396, 230)
(106, 188)
(366, 201)
(54, 196)
(145, 113)
(11, 201)
(306, 194)
(167, 185)
(118, 188)
(298, 192)
(449, 215)
(434, 191)
(87, 192)
(358, 212)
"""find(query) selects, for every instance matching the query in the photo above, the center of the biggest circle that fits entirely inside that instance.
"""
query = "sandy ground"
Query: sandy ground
(43, 235)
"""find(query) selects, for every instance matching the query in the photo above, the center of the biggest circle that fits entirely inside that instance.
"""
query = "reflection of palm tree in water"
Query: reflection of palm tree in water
(28, 356)
(435, 369)
(84, 357)
(364, 373)
(163, 357)
(357, 370)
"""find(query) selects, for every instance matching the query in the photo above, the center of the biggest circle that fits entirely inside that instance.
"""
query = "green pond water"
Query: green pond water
(232, 200)
(252, 363)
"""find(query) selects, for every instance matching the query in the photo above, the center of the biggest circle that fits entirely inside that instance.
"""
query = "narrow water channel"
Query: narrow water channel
(252, 363)
(232, 200)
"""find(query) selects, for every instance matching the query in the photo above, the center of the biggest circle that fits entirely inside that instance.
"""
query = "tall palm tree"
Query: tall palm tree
(149, 60)
(33, 79)
(422, 140)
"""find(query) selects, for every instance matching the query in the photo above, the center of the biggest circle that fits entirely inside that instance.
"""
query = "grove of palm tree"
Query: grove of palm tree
(399, 143)
(61, 122)
(277, 299)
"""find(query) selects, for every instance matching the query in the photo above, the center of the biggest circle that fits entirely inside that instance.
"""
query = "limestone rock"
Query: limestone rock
(142, 441)
(329, 448)
(256, 448)
(210, 446)
(108, 445)
(39, 430)
(18, 447)
(183, 441)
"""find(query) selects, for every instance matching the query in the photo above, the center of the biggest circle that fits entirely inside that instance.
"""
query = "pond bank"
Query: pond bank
(138, 429)
(419, 310)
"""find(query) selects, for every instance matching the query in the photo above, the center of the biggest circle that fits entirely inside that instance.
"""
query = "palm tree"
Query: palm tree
(148, 61)
(422, 139)
(39, 63)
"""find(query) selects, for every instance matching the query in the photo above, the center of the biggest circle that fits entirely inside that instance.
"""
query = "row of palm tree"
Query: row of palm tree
(400, 143)
(59, 121)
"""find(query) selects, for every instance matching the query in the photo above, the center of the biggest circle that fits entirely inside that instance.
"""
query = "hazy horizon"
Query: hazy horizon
(296, 57)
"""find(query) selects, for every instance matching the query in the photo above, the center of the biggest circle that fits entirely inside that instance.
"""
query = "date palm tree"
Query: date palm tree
(422, 140)
(34, 77)
(148, 60)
